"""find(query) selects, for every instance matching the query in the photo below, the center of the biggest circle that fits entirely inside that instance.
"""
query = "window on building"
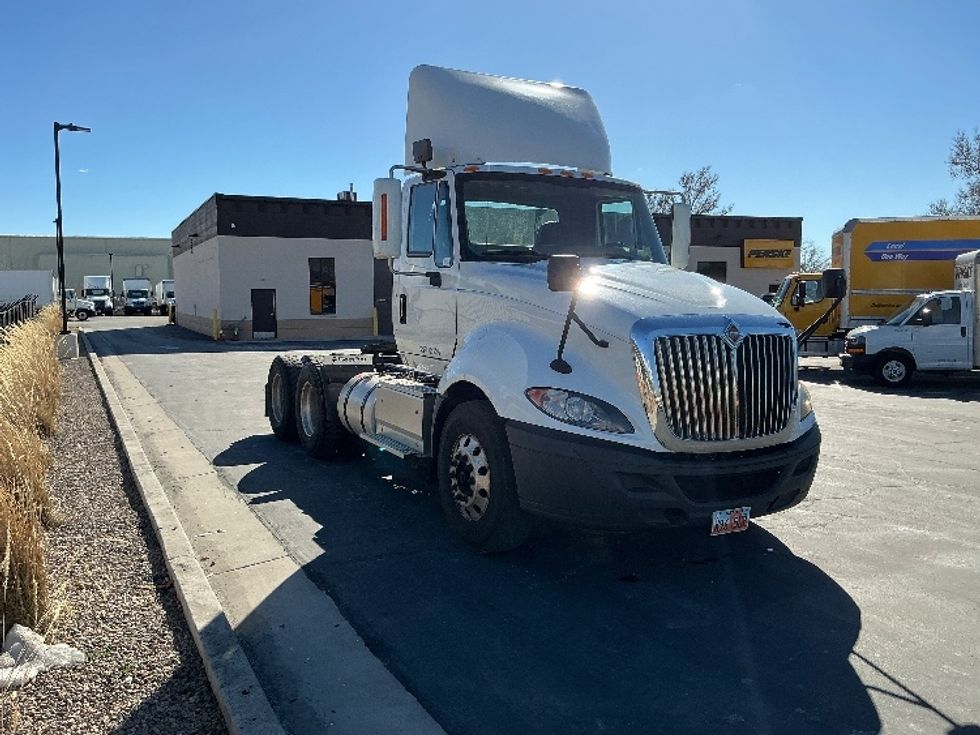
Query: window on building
(717, 269)
(323, 286)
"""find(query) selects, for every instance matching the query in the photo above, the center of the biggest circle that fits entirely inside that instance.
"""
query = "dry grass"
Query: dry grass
(22, 564)
(30, 388)
(30, 379)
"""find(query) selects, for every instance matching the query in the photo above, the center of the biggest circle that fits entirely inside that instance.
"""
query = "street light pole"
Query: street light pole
(59, 232)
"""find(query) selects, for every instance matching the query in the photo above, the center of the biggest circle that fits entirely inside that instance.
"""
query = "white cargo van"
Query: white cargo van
(937, 332)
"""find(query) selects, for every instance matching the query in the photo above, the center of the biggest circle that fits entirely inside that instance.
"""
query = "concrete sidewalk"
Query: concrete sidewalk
(279, 653)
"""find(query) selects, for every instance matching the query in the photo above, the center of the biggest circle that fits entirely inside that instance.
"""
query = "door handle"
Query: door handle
(962, 331)
(402, 308)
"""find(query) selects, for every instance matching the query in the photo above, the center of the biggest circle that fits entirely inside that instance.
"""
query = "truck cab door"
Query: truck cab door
(941, 334)
(807, 304)
(426, 277)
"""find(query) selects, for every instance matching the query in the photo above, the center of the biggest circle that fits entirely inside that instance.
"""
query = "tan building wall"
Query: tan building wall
(220, 273)
(147, 257)
(754, 280)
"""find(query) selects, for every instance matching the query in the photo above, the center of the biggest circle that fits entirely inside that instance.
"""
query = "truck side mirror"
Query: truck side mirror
(564, 272)
(386, 215)
(680, 236)
(834, 283)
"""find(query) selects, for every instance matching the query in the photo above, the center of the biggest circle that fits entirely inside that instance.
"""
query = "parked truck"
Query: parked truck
(546, 358)
(98, 289)
(136, 292)
(163, 296)
(15, 285)
(887, 262)
(78, 308)
(937, 332)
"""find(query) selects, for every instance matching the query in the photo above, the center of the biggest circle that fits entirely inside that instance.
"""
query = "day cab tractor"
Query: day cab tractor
(546, 358)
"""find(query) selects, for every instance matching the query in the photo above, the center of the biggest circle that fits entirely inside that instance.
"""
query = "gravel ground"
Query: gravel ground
(144, 673)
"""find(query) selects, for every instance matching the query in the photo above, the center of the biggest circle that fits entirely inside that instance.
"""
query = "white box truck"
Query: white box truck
(15, 285)
(136, 292)
(937, 332)
(546, 358)
(98, 289)
(163, 296)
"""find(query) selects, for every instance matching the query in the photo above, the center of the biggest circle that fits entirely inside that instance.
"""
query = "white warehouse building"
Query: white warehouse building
(277, 268)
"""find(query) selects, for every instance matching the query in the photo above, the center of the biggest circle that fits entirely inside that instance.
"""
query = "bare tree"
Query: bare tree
(701, 191)
(964, 164)
(813, 259)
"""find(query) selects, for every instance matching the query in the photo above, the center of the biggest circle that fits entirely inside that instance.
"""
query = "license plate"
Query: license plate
(732, 520)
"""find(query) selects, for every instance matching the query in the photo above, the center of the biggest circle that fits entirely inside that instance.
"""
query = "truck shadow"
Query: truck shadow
(576, 632)
(954, 386)
(123, 338)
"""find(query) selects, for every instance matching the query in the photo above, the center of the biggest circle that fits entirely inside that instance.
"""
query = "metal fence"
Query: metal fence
(15, 312)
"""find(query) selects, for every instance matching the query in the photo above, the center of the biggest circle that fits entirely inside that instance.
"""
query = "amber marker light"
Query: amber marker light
(384, 216)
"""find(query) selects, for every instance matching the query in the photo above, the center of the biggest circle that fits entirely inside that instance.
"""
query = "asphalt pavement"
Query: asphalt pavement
(855, 612)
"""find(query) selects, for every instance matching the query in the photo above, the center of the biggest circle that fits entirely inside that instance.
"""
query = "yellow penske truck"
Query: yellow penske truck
(888, 262)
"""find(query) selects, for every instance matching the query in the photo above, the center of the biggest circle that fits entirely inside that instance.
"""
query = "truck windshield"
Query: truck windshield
(905, 313)
(781, 293)
(169, 295)
(136, 294)
(525, 217)
(97, 292)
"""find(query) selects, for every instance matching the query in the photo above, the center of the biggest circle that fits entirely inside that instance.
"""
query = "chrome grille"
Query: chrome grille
(710, 391)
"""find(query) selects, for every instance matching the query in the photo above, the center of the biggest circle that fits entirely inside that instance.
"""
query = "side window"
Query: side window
(950, 306)
(420, 221)
(929, 313)
(444, 228)
(813, 292)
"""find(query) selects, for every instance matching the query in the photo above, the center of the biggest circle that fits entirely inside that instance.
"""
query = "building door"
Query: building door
(264, 324)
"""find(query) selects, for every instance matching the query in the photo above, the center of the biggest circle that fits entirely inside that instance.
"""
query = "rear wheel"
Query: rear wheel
(283, 374)
(317, 422)
(476, 480)
(893, 370)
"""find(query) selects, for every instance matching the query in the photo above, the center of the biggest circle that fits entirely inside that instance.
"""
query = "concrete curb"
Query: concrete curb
(242, 700)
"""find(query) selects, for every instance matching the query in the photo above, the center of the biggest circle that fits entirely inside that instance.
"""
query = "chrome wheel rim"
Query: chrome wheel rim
(893, 371)
(307, 409)
(278, 402)
(469, 477)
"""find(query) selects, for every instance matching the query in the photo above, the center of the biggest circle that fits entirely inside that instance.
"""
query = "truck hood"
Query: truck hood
(613, 295)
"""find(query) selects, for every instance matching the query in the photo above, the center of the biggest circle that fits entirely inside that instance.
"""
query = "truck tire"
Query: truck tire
(476, 480)
(81, 315)
(893, 370)
(283, 374)
(317, 423)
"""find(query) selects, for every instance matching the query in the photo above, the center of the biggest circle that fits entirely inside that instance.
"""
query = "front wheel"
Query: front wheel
(81, 315)
(893, 370)
(476, 480)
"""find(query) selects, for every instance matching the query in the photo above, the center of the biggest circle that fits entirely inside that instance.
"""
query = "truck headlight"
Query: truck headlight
(579, 410)
(806, 405)
(854, 345)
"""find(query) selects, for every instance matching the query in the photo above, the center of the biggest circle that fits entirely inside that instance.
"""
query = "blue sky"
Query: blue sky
(826, 110)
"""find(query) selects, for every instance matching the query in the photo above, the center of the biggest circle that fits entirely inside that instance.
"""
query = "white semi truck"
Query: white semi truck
(136, 292)
(938, 332)
(546, 358)
(98, 289)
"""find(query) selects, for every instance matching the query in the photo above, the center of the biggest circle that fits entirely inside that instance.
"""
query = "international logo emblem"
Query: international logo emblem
(733, 335)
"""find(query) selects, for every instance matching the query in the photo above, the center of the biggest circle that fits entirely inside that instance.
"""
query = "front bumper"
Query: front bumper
(601, 484)
(857, 363)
